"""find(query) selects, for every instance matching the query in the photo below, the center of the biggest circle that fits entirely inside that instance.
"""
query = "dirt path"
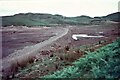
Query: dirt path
(28, 50)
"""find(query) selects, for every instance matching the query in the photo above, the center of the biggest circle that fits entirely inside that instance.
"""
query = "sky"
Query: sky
(69, 8)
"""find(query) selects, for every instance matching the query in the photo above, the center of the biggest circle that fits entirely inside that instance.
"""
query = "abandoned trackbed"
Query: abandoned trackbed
(32, 49)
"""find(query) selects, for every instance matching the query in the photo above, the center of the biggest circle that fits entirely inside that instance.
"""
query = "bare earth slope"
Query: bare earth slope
(64, 38)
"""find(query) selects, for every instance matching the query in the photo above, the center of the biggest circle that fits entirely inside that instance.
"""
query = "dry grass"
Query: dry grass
(15, 65)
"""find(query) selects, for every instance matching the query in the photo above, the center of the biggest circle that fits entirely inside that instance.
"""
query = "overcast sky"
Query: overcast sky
(63, 7)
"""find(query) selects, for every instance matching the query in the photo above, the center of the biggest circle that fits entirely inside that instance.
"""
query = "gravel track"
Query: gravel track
(31, 50)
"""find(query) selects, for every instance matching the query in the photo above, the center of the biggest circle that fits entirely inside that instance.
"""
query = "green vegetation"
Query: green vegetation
(36, 19)
(113, 17)
(103, 63)
(87, 61)
(30, 19)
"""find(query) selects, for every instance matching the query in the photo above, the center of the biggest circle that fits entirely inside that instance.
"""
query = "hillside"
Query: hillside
(113, 17)
(38, 19)
(61, 53)
(30, 19)
(103, 63)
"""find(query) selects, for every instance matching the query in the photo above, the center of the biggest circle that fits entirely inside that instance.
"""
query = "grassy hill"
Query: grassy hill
(113, 17)
(37, 19)
(30, 19)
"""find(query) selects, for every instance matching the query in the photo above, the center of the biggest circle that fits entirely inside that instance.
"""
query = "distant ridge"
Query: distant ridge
(39, 19)
(113, 17)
